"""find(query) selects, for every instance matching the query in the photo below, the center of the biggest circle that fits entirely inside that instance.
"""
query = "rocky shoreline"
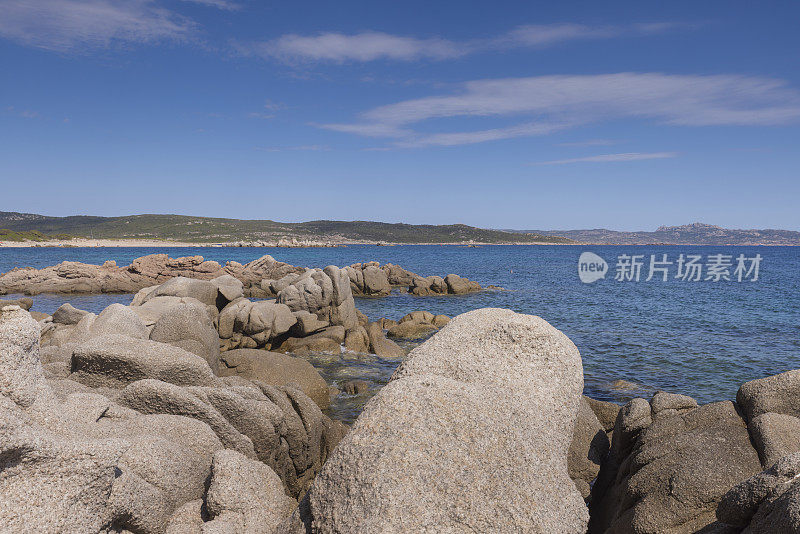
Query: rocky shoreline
(188, 411)
(261, 278)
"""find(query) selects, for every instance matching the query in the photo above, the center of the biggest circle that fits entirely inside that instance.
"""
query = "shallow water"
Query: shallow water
(698, 338)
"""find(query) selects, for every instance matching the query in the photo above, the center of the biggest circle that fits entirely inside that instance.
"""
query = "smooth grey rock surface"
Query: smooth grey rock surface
(380, 345)
(675, 472)
(775, 435)
(68, 314)
(118, 319)
(249, 489)
(188, 327)
(115, 361)
(276, 369)
(471, 434)
(778, 393)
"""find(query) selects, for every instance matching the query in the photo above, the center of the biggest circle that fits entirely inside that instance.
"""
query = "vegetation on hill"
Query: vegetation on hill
(29, 235)
(208, 229)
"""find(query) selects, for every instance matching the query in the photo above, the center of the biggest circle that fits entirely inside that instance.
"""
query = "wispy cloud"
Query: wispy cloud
(554, 103)
(371, 45)
(365, 46)
(312, 148)
(260, 115)
(592, 142)
(271, 108)
(66, 25)
(23, 113)
(219, 4)
(610, 158)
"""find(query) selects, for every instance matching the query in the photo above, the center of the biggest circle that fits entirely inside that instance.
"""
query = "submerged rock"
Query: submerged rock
(411, 330)
(380, 345)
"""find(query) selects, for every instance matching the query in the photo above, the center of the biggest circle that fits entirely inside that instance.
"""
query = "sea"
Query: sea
(723, 316)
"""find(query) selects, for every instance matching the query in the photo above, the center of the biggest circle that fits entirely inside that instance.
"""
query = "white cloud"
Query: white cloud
(607, 158)
(591, 142)
(371, 45)
(544, 35)
(312, 148)
(481, 136)
(566, 101)
(64, 25)
(366, 46)
(219, 4)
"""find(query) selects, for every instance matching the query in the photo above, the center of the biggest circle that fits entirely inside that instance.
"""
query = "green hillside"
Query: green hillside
(208, 229)
(31, 235)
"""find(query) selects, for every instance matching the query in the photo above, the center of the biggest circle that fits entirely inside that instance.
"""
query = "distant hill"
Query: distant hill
(213, 230)
(33, 235)
(689, 234)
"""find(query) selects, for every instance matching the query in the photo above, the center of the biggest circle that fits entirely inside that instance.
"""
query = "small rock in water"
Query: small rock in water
(624, 385)
(355, 387)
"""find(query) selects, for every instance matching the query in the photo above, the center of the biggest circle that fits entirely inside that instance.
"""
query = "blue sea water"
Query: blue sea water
(698, 338)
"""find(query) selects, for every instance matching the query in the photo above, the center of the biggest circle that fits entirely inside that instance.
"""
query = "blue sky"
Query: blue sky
(537, 115)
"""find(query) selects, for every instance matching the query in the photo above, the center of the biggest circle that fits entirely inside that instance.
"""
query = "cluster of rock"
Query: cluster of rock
(415, 325)
(723, 467)
(370, 279)
(134, 421)
(258, 277)
(113, 431)
(452, 284)
(283, 242)
(147, 271)
(313, 311)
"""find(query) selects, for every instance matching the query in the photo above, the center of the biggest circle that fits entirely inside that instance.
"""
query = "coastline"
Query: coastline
(154, 243)
(150, 243)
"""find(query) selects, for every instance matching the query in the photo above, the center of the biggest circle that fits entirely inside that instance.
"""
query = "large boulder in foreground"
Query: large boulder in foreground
(470, 435)
(276, 369)
(670, 465)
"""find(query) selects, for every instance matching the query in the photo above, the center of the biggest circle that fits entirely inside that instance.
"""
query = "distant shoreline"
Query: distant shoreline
(162, 243)
(151, 243)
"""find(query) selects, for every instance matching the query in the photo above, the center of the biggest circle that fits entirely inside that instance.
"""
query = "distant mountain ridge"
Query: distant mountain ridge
(184, 228)
(688, 234)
